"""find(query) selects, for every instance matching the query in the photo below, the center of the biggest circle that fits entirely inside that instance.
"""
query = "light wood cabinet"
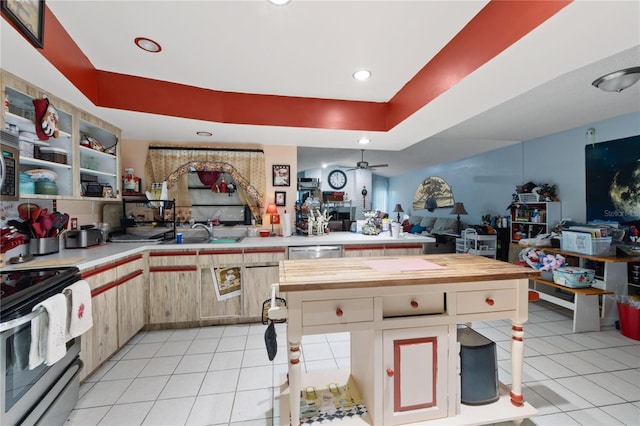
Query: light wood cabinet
(362, 250)
(173, 287)
(406, 249)
(117, 306)
(212, 305)
(260, 271)
(82, 163)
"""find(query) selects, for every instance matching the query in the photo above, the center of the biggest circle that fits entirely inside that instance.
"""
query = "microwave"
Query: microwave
(308, 183)
(9, 166)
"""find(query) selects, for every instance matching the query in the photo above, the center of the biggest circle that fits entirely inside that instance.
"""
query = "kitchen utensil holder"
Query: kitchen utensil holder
(42, 246)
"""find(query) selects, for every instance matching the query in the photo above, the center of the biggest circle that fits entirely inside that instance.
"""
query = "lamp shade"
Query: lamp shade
(398, 209)
(458, 208)
(619, 80)
(271, 209)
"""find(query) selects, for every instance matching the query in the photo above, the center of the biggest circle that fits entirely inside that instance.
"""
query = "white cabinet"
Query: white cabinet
(474, 243)
(415, 382)
(529, 220)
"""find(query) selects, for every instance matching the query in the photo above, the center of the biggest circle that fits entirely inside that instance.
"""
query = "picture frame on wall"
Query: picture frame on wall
(281, 175)
(28, 17)
(281, 198)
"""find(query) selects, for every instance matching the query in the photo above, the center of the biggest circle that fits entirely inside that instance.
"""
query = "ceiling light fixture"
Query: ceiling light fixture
(204, 134)
(362, 75)
(279, 2)
(619, 80)
(363, 141)
(147, 44)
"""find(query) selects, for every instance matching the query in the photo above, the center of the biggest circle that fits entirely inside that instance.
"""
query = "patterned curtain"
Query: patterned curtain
(246, 167)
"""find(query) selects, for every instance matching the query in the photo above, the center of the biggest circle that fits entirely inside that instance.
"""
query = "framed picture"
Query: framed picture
(281, 198)
(28, 16)
(281, 175)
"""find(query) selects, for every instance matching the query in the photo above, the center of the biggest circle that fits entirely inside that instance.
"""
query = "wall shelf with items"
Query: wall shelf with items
(529, 220)
(101, 165)
(61, 155)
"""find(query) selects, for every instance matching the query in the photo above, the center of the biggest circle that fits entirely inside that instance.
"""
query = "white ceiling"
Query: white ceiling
(538, 86)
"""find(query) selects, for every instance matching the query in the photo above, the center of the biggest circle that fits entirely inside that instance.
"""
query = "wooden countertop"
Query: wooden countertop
(360, 272)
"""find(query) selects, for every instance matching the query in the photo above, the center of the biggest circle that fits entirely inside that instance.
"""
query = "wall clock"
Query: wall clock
(337, 179)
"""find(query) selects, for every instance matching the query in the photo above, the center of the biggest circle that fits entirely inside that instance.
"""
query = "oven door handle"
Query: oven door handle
(8, 325)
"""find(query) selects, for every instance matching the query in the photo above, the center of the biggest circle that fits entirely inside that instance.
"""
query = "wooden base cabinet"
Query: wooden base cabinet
(260, 271)
(173, 287)
(213, 304)
(117, 306)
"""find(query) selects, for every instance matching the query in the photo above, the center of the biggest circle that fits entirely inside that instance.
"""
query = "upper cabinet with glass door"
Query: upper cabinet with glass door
(72, 166)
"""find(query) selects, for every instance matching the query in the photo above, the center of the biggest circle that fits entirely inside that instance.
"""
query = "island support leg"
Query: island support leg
(294, 380)
(517, 363)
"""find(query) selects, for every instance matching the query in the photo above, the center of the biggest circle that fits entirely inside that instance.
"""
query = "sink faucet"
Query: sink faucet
(208, 227)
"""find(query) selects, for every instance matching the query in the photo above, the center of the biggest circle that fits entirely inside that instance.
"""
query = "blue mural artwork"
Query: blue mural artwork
(613, 180)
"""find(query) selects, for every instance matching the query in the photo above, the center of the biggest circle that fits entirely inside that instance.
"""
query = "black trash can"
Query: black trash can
(478, 368)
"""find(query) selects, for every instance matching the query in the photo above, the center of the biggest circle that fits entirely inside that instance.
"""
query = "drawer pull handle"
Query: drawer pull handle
(489, 301)
(414, 304)
(390, 372)
(339, 312)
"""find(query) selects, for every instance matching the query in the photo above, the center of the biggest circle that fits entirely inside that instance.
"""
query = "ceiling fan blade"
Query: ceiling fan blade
(378, 165)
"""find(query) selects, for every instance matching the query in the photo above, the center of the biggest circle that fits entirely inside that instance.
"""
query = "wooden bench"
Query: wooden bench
(585, 307)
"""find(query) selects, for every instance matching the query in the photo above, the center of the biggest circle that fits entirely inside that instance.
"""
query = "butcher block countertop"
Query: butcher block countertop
(346, 273)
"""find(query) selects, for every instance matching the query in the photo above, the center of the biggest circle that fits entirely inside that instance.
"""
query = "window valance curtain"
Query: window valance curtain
(246, 167)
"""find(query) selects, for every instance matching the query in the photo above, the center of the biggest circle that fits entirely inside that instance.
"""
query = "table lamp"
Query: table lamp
(272, 210)
(458, 208)
(398, 209)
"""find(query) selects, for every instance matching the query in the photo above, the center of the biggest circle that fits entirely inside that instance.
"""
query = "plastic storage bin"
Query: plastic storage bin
(585, 243)
(570, 276)
(629, 321)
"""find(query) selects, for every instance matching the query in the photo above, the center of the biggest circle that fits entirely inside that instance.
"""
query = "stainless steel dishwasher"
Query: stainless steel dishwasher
(315, 252)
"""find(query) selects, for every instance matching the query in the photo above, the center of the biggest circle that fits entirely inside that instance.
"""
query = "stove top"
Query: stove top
(22, 289)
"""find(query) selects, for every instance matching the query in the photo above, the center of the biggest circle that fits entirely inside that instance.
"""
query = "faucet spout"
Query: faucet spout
(208, 228)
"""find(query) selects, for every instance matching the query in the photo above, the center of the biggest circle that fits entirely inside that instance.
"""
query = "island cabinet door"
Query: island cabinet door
(414, 374)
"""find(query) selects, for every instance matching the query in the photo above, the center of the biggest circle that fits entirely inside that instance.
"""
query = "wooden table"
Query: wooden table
(402, 314)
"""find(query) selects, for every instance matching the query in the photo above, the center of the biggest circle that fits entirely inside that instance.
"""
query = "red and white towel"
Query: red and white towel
(48, 332)
(79, 319)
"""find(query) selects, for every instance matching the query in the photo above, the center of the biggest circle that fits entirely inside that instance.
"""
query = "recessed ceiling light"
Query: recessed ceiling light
(363, 141)
(204, 134)
(362, 75)
(147, 44)
(324, 165)
(279, 2)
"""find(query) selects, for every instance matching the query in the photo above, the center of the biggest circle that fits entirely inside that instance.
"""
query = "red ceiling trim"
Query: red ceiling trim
(496, 27)
(64, 54)
(160, 97)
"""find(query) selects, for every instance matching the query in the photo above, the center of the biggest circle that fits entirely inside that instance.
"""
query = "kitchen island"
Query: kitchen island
(402, 314)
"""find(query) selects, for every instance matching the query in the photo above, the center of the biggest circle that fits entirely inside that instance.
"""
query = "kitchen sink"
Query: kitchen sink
(205, 240)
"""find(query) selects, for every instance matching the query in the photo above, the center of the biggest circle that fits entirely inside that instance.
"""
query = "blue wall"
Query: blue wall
(485, 183)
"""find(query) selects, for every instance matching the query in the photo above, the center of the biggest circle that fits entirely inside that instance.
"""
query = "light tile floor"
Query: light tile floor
(222, 376)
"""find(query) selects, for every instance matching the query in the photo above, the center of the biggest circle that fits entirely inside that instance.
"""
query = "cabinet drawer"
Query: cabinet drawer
(407, 305)
(266, 255)
(320, 312)
(470, 302)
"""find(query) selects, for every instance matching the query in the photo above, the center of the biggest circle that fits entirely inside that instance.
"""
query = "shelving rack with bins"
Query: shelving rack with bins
(473, 243)
(525, 225)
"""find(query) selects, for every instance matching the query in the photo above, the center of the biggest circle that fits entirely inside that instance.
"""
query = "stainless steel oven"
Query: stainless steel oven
(47, 394)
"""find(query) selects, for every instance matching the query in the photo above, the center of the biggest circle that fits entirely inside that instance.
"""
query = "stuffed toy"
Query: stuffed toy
(46, 119)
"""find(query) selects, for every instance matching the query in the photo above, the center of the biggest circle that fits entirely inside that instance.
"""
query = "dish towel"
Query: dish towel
(48, 332)
(80, 319)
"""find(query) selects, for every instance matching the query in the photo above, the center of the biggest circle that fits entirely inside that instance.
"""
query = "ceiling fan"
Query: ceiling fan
(365, 165)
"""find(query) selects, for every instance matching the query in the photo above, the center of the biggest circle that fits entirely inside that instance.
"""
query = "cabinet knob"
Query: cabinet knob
(339, 312)
(390, 372)
(414, 304)
(489, 301)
